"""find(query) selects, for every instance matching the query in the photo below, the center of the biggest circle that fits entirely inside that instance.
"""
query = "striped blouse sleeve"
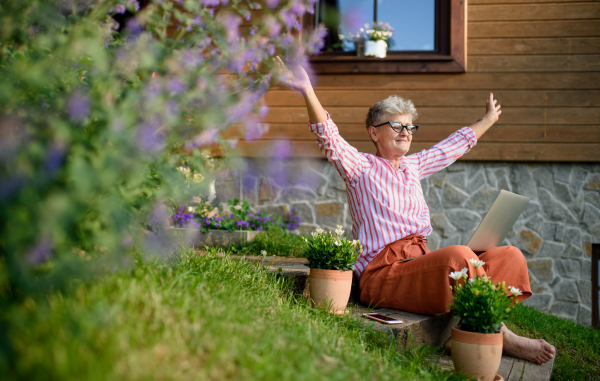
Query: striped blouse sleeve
(444, 153)
(346, 159)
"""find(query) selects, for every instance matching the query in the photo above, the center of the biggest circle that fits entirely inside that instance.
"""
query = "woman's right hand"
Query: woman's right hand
(294, 77)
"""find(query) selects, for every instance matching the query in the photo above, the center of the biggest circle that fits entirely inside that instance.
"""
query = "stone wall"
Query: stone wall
(554, 232)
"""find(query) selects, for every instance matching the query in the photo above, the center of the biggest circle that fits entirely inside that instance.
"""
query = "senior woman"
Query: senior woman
(391, 219)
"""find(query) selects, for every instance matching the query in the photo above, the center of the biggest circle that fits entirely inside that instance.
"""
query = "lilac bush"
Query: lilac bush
(101, 101)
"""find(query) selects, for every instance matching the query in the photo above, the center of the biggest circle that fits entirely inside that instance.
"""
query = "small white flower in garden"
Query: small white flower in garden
(320, 231)
(338, 243)
(354, 242)
(515, 291)
(263, 252)
(314, 234)
(456, 275)
(190, 209)
(339, 231)
(476, 263)
(471, 280)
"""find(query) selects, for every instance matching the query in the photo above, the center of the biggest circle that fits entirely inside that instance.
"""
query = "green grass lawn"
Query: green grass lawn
(274, 242)
(578, 347)
(198, 318)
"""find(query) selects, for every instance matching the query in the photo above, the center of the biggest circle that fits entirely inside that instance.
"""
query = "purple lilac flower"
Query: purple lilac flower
(176, 86)
(118, 9)
(288, 18)
(241, 109)
(210, 3)
(263, 111)
(316, 41)
(297, 8)
(253, 129)
(133, 4)
(206, 137)
(149, 139)
(78, 106)
(134, 28)
(271, 49)
(272, 3)
(41, 252)
(272, 25)
(54, 158)
(231, 23)
(286, 40)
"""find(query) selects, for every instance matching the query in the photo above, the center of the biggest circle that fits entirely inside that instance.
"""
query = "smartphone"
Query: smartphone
(383, 319)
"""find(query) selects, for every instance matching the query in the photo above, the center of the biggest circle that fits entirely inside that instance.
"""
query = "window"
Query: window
(430, 35)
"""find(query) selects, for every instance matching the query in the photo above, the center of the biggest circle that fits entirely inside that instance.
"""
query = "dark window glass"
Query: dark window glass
(413, 21)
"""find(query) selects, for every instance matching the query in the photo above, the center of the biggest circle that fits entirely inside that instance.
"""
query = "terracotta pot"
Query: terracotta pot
(330, 289)
(477, 354)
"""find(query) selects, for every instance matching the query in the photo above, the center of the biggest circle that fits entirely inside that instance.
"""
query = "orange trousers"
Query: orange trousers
(422, 285)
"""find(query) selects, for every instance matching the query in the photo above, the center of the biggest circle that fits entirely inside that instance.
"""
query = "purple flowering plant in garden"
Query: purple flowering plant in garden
(240, 217)
(101, 102)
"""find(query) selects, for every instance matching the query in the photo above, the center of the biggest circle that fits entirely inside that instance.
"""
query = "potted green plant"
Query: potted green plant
(482, 306)
(330, 258)
(378, 36)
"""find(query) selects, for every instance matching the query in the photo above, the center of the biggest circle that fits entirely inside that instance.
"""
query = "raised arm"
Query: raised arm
(296, 78)
(492, 113)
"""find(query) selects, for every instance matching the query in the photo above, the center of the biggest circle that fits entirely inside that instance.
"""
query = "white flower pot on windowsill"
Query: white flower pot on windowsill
(376, 48)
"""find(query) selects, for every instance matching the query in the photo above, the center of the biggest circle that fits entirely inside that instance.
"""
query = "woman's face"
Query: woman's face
(391, 144)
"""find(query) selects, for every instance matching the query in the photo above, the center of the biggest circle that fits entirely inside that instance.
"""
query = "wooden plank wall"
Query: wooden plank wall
(541, 59)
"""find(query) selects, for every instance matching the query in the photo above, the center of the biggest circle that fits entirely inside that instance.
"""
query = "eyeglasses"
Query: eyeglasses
(398, 127)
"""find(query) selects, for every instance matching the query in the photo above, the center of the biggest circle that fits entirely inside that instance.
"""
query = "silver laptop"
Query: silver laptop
(496, 224)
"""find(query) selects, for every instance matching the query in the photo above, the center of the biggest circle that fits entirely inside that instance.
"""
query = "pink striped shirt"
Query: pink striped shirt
(387, 204)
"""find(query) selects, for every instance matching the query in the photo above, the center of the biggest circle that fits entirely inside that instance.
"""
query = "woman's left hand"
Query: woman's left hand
(492, 111)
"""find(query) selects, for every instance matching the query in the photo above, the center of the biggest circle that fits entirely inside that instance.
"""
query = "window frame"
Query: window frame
(450, 55)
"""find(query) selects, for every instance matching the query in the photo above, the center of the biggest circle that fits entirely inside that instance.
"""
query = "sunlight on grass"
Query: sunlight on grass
(199, 318)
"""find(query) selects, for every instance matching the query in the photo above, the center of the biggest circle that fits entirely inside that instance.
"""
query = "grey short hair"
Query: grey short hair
(392, 105)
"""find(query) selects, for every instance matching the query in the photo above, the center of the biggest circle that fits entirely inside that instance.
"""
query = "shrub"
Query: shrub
(331, 252)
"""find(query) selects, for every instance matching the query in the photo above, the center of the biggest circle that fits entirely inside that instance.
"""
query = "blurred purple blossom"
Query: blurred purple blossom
(78, 106)
(281, 149)
(242, 108)
(254, 129)
(231, 23)
(272, 3)
(176, 86)
(288, 18)
(133, 4)
(192, 58)
(271, 49)
(353, 20)
(297, 7)
(54, 158)
(272, 25)
(41, 252)
(286, 40)
(263, 111)
(118, 9)
(159, 215)
(247, 15)
(134, 28)
(149, 138)
(316, 41)
(210, 3)
(206, 137)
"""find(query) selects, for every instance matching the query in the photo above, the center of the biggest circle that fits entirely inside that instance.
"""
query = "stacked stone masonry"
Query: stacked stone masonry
(555, 232)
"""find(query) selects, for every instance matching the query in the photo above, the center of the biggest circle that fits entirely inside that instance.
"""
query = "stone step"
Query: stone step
(416, 330)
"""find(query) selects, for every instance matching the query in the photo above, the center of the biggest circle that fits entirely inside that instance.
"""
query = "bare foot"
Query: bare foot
(537, 351)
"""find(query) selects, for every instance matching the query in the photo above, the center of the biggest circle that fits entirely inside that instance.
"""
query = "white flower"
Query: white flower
(339, 232)
(320, 231)
(338, 243)
(476, 262)
(314, 234)
(190, 209)
(515, 291)
(355, 242)
(471, 280)
(263, 252)
(456, 275)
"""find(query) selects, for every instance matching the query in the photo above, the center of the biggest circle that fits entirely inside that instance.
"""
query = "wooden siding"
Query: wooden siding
(541, 59)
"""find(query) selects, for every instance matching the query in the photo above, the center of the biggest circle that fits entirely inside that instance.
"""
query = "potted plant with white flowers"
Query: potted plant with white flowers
(482, 306)
(330, 258)
(378, 39)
